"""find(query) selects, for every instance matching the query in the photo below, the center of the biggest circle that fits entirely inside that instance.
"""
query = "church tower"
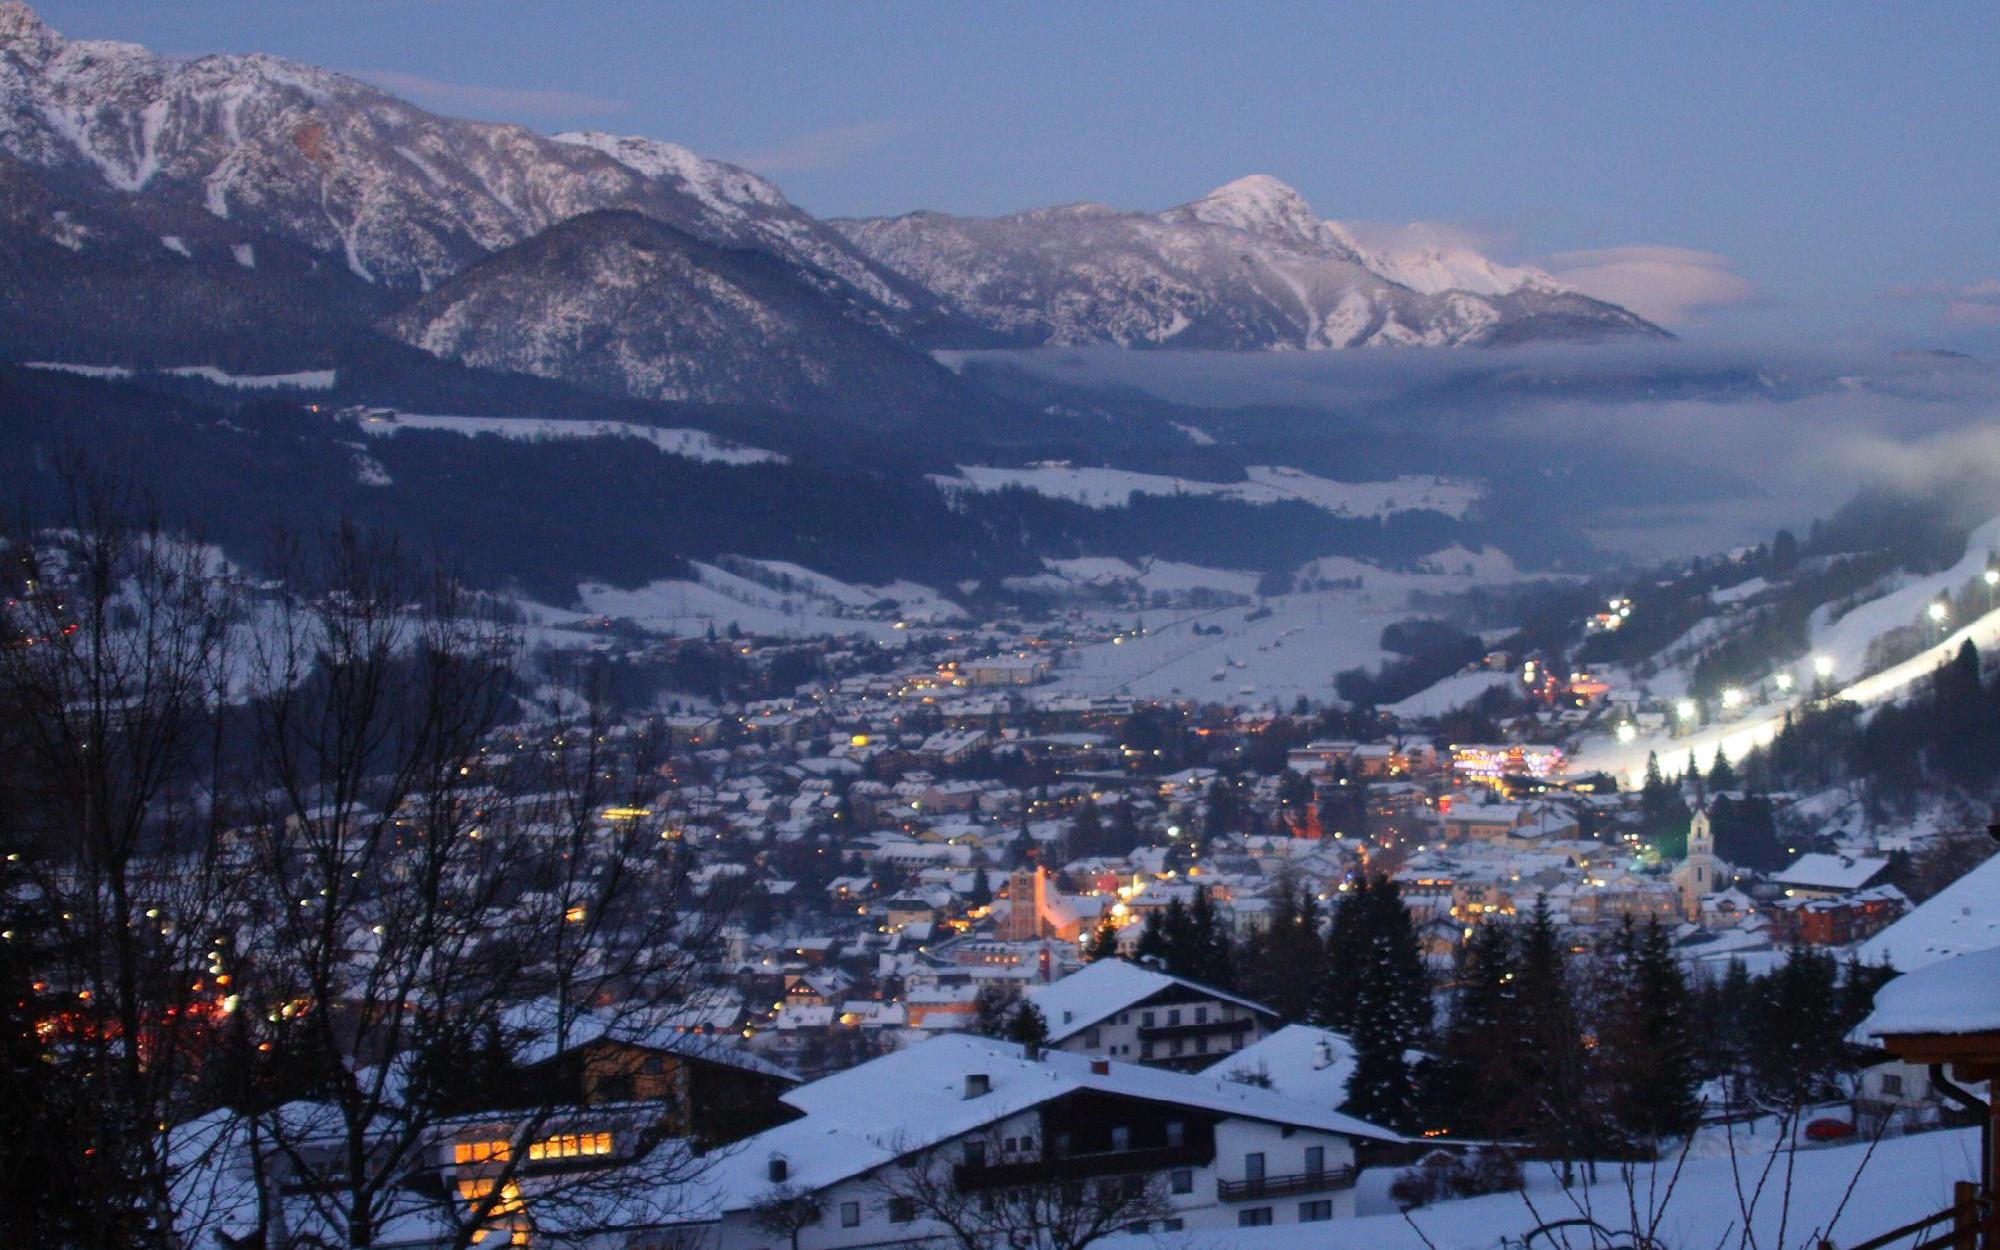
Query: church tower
(1698, 875)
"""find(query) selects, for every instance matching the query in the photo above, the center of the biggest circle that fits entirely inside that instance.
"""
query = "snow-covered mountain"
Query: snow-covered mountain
(1247, 266)
(401, 196)
(621, 302)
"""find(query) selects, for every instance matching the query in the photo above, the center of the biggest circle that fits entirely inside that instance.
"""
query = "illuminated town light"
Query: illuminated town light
(1732, 698)
(1685, 709)
(1785, 682)
(1627, 732)
(1939, 611)
(1822, 666)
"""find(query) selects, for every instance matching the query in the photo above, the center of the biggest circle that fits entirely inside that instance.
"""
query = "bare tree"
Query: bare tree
(786, 1211)
(113, 684)
(1029, 1206)
(429, 874)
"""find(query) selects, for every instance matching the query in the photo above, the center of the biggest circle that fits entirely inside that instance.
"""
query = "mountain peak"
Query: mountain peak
(23, 32)
(1257, 203)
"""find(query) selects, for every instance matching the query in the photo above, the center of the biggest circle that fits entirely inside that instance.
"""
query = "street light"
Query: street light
(1785, 682)
(1822, 666)
(1732, 698)
(1627, 731)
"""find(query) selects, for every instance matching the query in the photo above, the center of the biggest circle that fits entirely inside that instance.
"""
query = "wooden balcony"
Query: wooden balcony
(1321, 1182)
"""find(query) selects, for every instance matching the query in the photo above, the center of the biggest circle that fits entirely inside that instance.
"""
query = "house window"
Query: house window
(571, 1145)
(1315, 1160)
(1176, 1133)
(1201, 1045)
(1181, 1180)
(1121, 1137)
(1146, 1020)
(1253, 1166)
(902, 1210)
(1892, 1082)
(1174, 1016)
(1253, 1217)
(1315, 1211)
(975, 1154)
(481, 1152)
(1145, 1050)
(850, 1215)
(1201, 1015)
(1177, 1046)
(1091, 1039)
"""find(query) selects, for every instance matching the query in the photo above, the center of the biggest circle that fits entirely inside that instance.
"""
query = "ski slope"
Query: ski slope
(1844, 643)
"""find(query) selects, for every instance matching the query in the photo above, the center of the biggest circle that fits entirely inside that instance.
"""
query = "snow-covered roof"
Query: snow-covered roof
(1831, 872)
(1962, 917)
(1301, 1062)
(1109, 986)
(1957, 995)
(915, 1098)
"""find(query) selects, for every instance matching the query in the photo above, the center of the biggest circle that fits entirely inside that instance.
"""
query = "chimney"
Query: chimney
(977, 1084)
(779, 1169)
(1031, 1051)
(1100, 1067)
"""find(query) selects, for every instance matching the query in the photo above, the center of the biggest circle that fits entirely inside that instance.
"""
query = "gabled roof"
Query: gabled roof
(1109, 986)
(912, 1099)
(1831, 872)
(1962, 917)
(1957, 995)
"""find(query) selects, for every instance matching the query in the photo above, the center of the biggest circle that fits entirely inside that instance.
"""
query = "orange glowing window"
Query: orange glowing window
(481, 1152)
(571, 1145)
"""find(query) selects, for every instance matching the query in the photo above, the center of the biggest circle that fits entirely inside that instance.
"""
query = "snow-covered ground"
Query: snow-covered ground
(1297, 649)
(1961, 918)
(1114, 488)
(1454, 691)
(303, 380)
(1844, 643)
(694, 444)
(1806, 1197)
(1153, 576)
(815, 605)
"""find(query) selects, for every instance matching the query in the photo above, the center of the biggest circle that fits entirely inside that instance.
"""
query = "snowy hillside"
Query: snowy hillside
(1114, 488)
(1841, 646)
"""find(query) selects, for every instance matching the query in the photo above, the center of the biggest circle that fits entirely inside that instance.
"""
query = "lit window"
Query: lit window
(571, 1145)
(481, 1152)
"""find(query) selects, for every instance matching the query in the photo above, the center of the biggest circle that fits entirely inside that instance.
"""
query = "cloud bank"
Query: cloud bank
(816, 149)
(470, 98)
(1665, 285)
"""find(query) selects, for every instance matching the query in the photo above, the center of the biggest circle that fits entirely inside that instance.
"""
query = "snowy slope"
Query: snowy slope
(693, 444)
(1843, 642)
(1114, 488)
(1959, 919)
(1807, 1196)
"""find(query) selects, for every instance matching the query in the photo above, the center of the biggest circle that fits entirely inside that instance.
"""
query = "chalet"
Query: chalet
(1121, 1010)
(980, 1114)
(1820, 875)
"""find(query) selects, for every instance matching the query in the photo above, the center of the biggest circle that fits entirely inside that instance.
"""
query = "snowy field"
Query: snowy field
(1296, 650)
(1845, 644)
(815, 605)
(304, 380)
(1115, 488)
(1806, 1197)
(693, 444)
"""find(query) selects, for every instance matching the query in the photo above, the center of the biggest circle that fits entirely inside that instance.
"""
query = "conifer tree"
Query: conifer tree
(1475, 1073)
(1647, 1041)
(1391, 1011)
(1346, 956)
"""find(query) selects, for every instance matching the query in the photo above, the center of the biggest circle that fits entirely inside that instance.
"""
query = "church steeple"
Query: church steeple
(1699, 875)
